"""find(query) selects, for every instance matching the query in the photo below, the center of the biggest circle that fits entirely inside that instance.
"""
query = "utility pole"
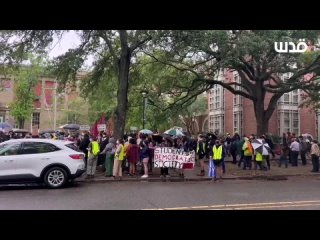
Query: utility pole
(144, 95)
(55, 106)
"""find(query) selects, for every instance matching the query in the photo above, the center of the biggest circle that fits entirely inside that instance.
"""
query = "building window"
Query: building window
(237, 99)
(211, 102)
(36, 119)
(295, 97)
(237, 122)
(290, 98)
(216, 123)
(211, 120)
(216, 98)
(289, 121)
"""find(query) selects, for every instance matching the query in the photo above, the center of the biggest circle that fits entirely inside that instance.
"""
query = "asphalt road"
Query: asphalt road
(295, 193)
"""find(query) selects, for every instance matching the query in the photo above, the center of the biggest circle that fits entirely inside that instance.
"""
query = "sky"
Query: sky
(68, 40)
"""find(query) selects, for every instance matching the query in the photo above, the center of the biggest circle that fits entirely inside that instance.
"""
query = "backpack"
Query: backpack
(250, 148)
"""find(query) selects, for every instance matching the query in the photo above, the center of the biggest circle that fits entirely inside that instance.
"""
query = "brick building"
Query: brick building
(233, 113)
(49, 106)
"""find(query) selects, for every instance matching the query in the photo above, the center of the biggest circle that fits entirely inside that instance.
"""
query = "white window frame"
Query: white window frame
(238, 122)
(237, 99)
(290, 128)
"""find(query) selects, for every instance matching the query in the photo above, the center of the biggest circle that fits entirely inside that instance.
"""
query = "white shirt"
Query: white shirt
(295, 146)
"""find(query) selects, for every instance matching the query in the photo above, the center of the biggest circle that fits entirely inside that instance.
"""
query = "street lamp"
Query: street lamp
(144, 95)
(193, 122)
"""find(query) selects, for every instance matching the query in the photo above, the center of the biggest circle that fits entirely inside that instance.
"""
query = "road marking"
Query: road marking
(200, 207)
(241, 206)
(264, 207)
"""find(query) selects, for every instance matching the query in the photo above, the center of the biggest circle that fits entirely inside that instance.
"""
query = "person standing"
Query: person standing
(228, 144)
(125, 163)
(109, 150)
(201, 152)
(284, 155)
(144, 156)
(247, 151)
(103, 143)
(260, 160)
(234, 147)
(84, 144)
(218, 155)
(133, 155)
(303, 150)
(295, 148)
(119, 156)
(93, 152)
(267, 157)
(315, 153)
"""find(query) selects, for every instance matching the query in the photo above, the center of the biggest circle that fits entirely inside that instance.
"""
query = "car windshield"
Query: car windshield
(73, 147)
(3, 146)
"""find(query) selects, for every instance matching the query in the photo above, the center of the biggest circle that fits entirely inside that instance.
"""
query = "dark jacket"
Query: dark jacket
(144, 153)
(84, 144)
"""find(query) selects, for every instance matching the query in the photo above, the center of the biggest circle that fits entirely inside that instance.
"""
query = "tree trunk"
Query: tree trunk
(122, 94)
(262, 121)
(21, 123)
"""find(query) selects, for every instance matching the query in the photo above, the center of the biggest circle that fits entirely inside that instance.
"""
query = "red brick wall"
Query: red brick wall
(308, 121)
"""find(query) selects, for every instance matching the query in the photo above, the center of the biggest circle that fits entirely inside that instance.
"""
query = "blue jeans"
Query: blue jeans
(223, 166)
(247, 162)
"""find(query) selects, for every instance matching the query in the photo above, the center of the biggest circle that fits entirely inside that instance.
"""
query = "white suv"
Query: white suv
(53, 162)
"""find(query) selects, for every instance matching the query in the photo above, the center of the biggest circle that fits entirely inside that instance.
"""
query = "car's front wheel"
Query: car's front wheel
(55, 177)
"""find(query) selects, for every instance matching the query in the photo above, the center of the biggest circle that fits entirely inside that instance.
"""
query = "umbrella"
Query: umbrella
(5, 127)
(260, 146)
(174, 132)
(70, 126)
(146, 131)
(16, 130)
(48, 131)
(307, 135)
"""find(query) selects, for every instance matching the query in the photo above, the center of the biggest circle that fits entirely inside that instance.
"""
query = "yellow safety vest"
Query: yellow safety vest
(246, 149)
(217, 153)
(95, 148)
(259, 157)
(121, 154)
(203, 146)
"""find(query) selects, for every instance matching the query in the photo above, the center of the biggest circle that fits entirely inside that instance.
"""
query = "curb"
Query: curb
(177, 179)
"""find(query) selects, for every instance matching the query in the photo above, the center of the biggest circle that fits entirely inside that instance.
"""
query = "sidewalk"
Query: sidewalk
(232, 172)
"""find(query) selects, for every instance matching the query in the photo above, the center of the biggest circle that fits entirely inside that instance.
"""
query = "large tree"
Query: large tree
(252, 55)
(113, 51)
(25, 79)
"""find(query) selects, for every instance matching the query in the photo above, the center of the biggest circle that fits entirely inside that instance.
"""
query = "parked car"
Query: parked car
(52, 162)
